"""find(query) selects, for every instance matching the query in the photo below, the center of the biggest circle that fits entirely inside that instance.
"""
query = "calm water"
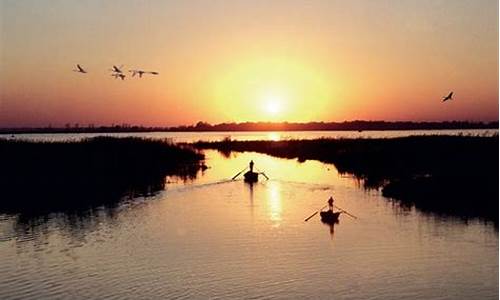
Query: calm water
(214, 238)
(253, 135)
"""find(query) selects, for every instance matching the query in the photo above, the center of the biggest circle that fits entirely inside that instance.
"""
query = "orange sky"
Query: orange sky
(225, 61)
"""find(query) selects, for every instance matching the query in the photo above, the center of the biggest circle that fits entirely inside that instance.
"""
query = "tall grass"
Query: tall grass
(41, 176)
(449, 174)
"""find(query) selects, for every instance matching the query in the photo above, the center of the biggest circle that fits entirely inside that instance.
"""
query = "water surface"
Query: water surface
(216, 238)
(189, 137)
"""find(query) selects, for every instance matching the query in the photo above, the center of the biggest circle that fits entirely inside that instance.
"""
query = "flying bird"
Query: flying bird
(116, 69)
(141, 72)
(449, 97)
(80, 69)
(118, 75)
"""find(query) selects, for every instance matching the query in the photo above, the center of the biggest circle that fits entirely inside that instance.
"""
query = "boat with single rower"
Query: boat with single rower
(251, 177)
(330, 216)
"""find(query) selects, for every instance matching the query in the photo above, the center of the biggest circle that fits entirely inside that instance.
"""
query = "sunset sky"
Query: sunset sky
(236, 61)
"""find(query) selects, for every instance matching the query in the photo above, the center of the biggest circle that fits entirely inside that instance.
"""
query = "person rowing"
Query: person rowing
(251, 166)
(330, 204)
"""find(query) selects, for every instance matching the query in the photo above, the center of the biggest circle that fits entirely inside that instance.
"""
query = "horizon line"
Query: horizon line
(264, 126)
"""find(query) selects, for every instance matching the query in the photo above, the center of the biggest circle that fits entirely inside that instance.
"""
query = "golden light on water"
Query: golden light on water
(274, 202)
(273, 136)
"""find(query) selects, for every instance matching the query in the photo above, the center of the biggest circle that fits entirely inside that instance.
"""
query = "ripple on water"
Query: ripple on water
(227, 240)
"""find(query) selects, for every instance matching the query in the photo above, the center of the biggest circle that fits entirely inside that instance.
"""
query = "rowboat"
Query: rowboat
(251, 177)
(330, 216)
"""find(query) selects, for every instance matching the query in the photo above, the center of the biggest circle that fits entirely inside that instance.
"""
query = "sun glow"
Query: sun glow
(266, 87)
(273, 105)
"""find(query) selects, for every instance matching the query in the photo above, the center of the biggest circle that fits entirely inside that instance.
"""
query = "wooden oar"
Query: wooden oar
(345, 212)
(307, 219)
(260, 172)
(234, 177)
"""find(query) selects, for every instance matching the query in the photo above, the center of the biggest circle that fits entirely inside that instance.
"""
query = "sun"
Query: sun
(273, 105)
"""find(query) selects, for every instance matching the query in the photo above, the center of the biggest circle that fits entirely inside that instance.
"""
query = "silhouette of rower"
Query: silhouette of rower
(251, 166)
(330, 204)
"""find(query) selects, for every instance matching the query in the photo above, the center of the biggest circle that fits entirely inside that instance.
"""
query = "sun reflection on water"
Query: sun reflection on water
(274, 136)
(274, 202)
(201, 237)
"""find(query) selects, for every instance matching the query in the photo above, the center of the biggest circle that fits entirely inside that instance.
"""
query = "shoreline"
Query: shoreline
(262, 127)
(15, 132)
(450, 174)
(455, 175)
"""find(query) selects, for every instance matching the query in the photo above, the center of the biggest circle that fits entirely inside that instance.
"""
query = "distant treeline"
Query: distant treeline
(263, 126)
(455, 175)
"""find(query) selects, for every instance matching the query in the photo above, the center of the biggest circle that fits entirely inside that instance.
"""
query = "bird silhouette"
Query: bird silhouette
(80, 69)
(449, 97)
(118, 75)
(141, 72)
(116, 69)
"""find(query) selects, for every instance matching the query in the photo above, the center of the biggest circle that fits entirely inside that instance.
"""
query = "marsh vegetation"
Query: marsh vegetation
(48, 176)
(445, 174)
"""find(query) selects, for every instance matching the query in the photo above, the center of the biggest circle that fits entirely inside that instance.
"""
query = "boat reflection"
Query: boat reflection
(331, 224)
(250, 186)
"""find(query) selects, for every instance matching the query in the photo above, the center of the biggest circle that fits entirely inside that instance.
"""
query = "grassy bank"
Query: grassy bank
(446, 174)
(47, 176)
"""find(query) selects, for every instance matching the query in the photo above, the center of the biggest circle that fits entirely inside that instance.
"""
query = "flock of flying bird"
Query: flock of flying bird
(117, 72)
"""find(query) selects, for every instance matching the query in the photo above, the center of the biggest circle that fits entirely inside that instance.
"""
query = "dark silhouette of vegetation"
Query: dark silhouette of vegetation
(39, 177)
(347, 125)
(446, 174)
(358, 125)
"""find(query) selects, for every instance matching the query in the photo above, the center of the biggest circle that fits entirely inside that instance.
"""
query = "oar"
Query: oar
(264, 175)
(345, 212)
(234, 177)
(260, 172)
(307, 219)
